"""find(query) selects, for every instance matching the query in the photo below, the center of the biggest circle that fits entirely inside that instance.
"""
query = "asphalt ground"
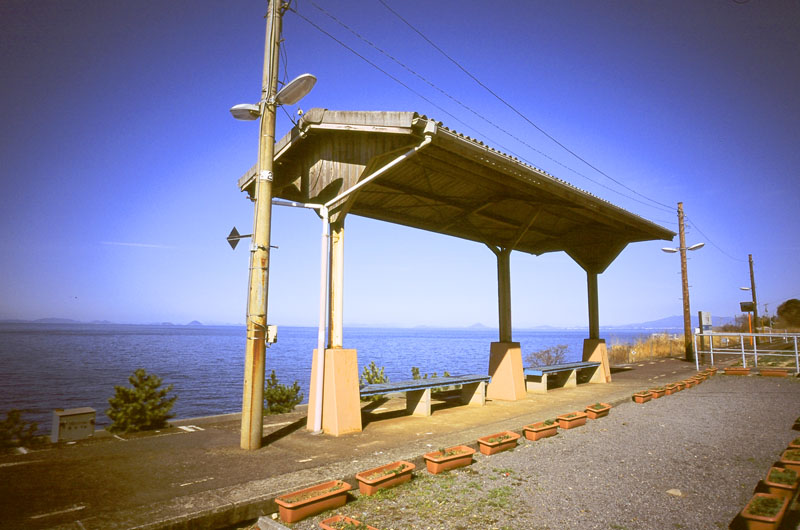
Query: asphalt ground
(200, 478)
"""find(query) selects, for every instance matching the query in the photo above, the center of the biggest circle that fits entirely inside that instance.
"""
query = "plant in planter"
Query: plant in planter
(781, 481)
(671, 389)
(657, 392)
(642, 397)
(681, 385)
(764, 511)
(689, 383)
(597, 410)
(496, 443)
(737, 370)
(448, 458)
(300, 504)
(388, 476)
(541, 429)
(342, 522)
(794, 444)
(571, 420)
(791, 459)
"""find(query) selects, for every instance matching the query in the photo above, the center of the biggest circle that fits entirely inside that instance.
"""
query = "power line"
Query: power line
(514, 109)
(362, 38)
(712, 243)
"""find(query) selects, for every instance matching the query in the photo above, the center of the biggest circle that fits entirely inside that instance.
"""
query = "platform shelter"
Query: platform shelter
(405, 168)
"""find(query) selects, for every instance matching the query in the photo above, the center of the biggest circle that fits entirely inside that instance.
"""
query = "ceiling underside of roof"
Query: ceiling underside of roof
(454, 186)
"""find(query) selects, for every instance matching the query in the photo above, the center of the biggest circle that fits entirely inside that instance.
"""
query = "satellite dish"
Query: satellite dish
(295, 90)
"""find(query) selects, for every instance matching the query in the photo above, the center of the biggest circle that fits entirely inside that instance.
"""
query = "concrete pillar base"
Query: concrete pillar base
(595, 350)
(341, 406)
(505, 367)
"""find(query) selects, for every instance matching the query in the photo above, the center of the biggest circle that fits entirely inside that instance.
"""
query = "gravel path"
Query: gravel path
(690, 460)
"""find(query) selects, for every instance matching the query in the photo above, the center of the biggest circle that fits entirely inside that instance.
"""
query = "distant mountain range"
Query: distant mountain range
(668, 323)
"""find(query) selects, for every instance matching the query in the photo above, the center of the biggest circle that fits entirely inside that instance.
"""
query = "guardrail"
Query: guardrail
(770, 345)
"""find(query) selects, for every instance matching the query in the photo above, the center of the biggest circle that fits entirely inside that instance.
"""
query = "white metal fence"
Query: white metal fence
(748, 345)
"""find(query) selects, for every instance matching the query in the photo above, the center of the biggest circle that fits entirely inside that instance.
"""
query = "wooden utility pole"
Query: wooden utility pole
(687, 316)
(255, 352)
(753, 290)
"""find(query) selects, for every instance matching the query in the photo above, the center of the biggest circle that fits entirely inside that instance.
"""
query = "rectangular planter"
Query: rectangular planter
(601, 411)
(681, 385)
(388, 476)
(737, 370)
(791, 459)
(671, 389)
(657, 392)
(689, 383)
(300, 504)
(770, 371)
(539, 430)
(490, 445)
(761, 522)
(642, 397)
(794, 444)
(780, 488)
(436, 463)
(332, 523)
(571, 420)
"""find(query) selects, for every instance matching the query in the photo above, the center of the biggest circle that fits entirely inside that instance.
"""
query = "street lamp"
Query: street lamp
(257, 331)
(687, 318)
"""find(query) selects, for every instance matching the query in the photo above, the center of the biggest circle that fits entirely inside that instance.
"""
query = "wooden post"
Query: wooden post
(504, 293)
(594, 306)
(336, 285)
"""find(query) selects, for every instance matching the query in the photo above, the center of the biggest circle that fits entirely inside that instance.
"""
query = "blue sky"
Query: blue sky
(120, 159)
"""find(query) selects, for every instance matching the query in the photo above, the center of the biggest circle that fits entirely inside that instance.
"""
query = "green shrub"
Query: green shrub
(142, 407)
(415, 374)
(16, 432)
(547, 356)
(280, 399)
(372, 375)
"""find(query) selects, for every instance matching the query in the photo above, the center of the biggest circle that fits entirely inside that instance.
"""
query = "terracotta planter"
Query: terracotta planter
(642, 397)
(388, 476)
(539, 430)
(737, 370)
(671, 389)
(492, 444)
(599, 412)
(657, 392)
(772, 371)
(791, 459)
(571, 420)
(689, 383)
(331, 523)
(781, 482)
(681, 385)
(436, 463)
(764, 522)
(794, 444)
(300, 504)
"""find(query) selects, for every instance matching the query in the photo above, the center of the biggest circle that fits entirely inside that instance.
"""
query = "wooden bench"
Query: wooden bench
(564, 375)
(418, 391)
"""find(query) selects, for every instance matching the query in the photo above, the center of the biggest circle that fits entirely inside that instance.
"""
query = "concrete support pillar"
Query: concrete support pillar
(594, 306)
(505, 367)
(595, 350)
(336, 285)
(504, 293)
(341, 405)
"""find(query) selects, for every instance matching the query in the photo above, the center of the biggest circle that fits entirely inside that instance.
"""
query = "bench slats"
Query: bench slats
(420, 384)
(553, 368)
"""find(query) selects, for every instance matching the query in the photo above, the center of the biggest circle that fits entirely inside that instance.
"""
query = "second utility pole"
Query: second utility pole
(687, 318)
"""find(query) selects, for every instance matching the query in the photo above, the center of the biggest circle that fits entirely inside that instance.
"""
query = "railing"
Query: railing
(772, 344)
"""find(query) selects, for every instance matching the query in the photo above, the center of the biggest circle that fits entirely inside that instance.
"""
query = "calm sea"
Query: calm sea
(49, 366)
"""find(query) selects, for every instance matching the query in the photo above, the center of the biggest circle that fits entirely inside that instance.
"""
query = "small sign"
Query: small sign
(705, 321)
(746, 307)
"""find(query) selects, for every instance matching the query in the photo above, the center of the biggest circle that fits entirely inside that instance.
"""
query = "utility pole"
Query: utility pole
(753, 290)
(255, 352)
(687, 318)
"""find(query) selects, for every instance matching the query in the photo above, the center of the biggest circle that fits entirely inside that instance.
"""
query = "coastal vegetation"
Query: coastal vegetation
(142, 407)
(372, 375)
(16, 431)
(278, 398)
(547, 356)
(656, 346)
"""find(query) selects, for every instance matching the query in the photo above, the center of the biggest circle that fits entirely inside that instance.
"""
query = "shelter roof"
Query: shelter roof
(442, 181)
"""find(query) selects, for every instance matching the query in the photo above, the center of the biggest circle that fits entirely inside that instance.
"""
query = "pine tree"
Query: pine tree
(142, 407)
(278, 398)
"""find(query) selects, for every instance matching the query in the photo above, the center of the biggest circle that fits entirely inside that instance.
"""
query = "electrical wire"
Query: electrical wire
(456, 101)
(712, 243)
(515, 110)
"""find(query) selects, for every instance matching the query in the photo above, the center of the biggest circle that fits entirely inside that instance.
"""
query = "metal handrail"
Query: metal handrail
(754, 352)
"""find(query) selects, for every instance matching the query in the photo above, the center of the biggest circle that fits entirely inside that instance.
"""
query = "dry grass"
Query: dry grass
(654, 347)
